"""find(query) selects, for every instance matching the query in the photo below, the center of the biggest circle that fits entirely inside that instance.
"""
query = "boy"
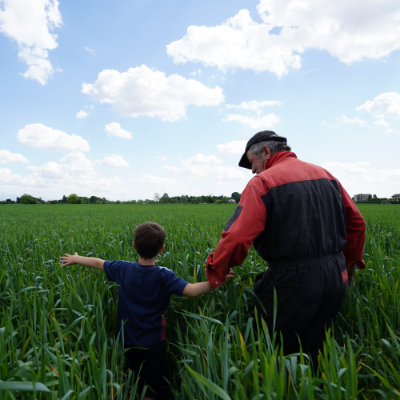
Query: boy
(144, 294)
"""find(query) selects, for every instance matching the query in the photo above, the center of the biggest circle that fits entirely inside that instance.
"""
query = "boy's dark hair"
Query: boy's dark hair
(149, 238)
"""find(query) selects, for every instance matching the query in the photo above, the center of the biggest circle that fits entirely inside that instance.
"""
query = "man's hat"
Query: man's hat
(257, 138)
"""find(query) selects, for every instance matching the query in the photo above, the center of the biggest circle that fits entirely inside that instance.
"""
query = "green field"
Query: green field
(56, 325)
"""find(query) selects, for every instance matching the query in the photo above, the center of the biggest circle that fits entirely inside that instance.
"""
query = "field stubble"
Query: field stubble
(56, 325)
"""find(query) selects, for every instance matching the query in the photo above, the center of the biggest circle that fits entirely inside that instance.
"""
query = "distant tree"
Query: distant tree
(236, 196)
(195, 200)
(224, 199)
(18, 200)
(73, 199)
(184, 199)
(375, 197)
(173, 200)
(103, 200)
(98, 201)
(8, 201)
(28, 199)
(156, 197)
(64, 199)
(118, 202)
(369, 198)
(164, 198)
(84, 200)
(218, 201)
(210, 199)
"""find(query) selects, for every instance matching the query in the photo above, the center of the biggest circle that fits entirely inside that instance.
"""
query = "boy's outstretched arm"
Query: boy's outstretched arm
(199, 288)
(90, 262)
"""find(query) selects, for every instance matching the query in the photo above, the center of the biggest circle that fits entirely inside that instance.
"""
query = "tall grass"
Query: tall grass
(57, 325)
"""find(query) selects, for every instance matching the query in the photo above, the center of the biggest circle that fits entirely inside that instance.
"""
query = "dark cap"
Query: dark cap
(257, 138)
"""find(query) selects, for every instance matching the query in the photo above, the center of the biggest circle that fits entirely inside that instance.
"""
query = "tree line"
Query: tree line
(73, 198)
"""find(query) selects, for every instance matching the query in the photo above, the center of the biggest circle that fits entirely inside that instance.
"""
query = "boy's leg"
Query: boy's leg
(153, 370)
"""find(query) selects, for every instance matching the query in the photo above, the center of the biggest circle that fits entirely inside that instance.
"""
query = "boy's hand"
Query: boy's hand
(229, 275)
(68, 259)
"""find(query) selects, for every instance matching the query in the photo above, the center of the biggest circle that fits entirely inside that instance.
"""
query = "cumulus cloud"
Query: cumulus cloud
(257, 123)
(349, 31)
(114, 161)
(254, 105)
(162, 158)
(43, 137)
(8, 178)
(114, 129)
(143, 91)
(29, 23)
(81, 114)
(361, 177)
(158, 181)
(346, 120)
(171, 168)
(200, 166)
(6, 157)
(386, 105)
(234, 148)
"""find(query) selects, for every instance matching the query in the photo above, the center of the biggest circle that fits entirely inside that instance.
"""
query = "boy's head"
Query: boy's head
(148, 239)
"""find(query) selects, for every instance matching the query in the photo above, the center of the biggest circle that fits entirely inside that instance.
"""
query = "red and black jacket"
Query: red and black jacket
(292, 211)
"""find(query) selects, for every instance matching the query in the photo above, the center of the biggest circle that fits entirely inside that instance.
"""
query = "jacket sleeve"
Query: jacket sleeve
(355, 230)
(247, 222)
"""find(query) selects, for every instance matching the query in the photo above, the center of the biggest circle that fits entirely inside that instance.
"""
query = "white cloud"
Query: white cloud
(381, 122)
(81, 114)
(158, 181)
(171, 168)
(88, 49)
(348, 30)
(76, 164)
(201, 166)
(254, 105)
(162, 158)
(8, 178)
(114, 161)
(142, 91)
(29, 23)
(346, 120)
(361, 177)
(256, 123)
(200, 159)
(46, 138)
(114, 129)
(386, 105)
(234, 148)
(390, 131)
(50, 170)
(6, 157)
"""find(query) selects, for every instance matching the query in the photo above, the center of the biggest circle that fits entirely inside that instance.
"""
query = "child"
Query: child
(144, 294)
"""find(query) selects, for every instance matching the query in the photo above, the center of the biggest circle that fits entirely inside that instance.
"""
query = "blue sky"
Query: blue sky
(125, 99)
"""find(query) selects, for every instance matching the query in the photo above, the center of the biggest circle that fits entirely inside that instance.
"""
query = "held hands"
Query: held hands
(229, 275)
(68, 259)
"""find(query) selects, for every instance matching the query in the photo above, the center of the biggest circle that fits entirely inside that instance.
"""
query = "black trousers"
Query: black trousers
(309, 293)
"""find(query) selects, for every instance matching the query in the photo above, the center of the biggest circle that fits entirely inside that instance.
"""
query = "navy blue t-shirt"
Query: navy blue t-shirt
(144, 293)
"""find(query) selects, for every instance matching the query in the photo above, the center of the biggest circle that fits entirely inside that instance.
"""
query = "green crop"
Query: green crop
(57, 325)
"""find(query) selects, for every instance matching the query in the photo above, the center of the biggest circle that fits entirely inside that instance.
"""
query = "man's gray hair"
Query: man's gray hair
(275, 147)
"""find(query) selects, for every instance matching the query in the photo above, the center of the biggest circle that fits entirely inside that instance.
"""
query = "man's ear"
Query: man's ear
(133, 245)
(162, 249)
(267, 152)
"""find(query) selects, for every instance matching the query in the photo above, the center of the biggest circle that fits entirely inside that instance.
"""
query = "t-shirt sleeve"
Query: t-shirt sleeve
(114, 269)
(172, 283)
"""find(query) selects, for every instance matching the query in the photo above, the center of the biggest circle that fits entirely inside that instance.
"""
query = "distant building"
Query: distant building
(361, 197)
(396, 197)
(231, 201)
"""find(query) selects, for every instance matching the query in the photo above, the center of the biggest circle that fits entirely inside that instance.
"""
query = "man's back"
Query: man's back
(305, 211)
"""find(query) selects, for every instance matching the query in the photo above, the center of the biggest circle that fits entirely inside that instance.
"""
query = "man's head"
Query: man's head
(148, 240)
(262, 146)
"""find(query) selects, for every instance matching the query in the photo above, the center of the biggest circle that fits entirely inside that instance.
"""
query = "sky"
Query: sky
(124, 99)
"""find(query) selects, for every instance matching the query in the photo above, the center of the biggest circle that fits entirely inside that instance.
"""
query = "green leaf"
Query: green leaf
(24, 386)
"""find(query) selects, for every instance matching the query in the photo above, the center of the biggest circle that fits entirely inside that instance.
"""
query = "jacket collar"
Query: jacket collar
(279, 157)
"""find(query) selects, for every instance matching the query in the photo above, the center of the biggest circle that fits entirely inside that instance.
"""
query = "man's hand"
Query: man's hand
(351, 272)
(68, 259)
(229, 275)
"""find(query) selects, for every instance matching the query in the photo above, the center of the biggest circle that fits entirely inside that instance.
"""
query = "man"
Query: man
(308, 229)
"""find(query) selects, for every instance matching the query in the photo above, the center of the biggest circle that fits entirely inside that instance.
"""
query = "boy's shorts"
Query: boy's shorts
(154, 368)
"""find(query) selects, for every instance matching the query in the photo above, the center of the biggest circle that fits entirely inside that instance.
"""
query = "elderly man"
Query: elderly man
(305, 225)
